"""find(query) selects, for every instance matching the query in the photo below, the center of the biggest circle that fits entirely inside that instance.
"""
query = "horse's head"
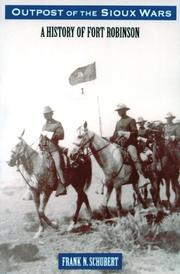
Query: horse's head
(17, 152)
(82, 142)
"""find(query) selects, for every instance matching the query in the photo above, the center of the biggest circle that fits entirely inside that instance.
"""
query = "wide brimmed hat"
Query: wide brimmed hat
(121, 106)
(170, 115)
(140, 120)
(47, 109)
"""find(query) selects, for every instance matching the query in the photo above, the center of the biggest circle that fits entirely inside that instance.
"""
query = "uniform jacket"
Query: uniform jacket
(57, 128)
(143, 132)
(127, 124)
(172, 130)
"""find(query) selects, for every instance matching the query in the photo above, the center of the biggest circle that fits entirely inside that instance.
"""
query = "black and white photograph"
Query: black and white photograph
(90, 135)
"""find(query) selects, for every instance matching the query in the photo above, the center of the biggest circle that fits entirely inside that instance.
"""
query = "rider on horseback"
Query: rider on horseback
(142, 131)
(57, 133)
(178, 133)
(126, 127)
(172, 136)
(143, 145)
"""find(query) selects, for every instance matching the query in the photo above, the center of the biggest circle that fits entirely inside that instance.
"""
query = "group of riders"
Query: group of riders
(143, 143)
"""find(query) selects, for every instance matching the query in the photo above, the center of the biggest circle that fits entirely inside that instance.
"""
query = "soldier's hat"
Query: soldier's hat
(47, 109)
(170, 115)
(121, 106)
(140, 120)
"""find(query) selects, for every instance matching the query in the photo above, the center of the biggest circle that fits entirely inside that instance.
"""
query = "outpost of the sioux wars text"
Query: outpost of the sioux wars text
(83, 12)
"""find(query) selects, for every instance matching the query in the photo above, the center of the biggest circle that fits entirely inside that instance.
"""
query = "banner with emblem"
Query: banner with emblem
(83, 74)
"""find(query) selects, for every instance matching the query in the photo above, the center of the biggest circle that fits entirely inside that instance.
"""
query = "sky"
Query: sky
(142, 73)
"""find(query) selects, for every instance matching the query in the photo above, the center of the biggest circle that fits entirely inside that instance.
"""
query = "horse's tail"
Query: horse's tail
(88, 173)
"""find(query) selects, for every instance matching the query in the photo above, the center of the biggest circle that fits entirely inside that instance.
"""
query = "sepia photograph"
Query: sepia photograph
(90, 136)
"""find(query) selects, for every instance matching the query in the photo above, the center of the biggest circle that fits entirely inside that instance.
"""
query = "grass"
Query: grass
(132, 233)
(171, 223)
(127, 234)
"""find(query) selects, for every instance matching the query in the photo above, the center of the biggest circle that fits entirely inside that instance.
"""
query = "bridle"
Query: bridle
(19, 159)
(21, 155)
(94, 151)
(89, 141)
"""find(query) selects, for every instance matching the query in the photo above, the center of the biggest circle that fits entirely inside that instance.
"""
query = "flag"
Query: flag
(83, 74)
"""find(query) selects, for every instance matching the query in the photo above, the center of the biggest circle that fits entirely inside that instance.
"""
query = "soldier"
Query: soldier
(170, 128)
(172, 136)
(145, 152)
(126, 127)
(142, 131)
(178, 131)
(57, 133)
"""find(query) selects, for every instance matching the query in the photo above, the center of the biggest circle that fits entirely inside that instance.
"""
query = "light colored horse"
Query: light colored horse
(109, 157)
(41, 179)
(38, 170)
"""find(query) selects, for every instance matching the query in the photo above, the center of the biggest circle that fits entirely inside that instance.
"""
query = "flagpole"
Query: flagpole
(84, 74)
(99, 111)
(99, 116)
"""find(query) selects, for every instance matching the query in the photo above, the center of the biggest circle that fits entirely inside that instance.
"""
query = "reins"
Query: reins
(97, 151)
(18, 169)
(26, 181)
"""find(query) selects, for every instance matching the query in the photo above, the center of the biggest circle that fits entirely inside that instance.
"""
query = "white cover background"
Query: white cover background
(142, 73)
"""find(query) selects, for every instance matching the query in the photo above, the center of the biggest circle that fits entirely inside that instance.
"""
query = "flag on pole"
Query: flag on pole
(83, 74)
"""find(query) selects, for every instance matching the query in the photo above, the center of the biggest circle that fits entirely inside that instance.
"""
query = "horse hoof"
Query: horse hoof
(54, 224)
(37, 235)
(71, 226)
(27, 196)
(88, 222)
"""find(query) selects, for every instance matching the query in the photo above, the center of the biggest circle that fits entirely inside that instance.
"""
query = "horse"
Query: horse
(149, 169)
(169, 169)
(166, 158)
(38, 170)
(110, 158)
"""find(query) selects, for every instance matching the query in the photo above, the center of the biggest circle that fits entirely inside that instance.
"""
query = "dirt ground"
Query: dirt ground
(20, 253)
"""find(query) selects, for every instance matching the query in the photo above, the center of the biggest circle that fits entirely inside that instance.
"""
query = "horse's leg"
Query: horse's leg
(167, 181)
(106, 199)
(118, 200)
(175, 187)
(78, 207)
(86, 201)
(145, 193)
(155, 189)
(36, 198)
(134, 199)
(43, 203)
(142, 192)
(139, 197)
(135, 179)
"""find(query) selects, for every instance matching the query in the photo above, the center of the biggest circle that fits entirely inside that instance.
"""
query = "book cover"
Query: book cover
(81, 62)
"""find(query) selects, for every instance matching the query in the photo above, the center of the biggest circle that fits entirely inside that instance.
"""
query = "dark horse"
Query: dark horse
(39, 173)
(169, 170)
(166, 161)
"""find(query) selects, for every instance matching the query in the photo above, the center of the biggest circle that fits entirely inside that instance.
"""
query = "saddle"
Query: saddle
(125, 155)
(64, 157)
